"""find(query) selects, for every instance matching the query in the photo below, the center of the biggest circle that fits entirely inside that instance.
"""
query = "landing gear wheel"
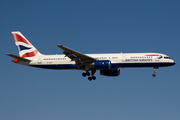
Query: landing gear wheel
(154, 75)
(87, 73)
(89, 78)
(93, 77)
(84, 74)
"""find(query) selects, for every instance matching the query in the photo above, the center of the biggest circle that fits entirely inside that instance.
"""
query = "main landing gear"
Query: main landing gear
(87, 73)
(154, 75)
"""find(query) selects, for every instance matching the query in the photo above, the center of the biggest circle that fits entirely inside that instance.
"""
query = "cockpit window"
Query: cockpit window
(167, 57)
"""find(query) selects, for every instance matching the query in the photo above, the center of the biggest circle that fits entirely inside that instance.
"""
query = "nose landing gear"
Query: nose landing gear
(154, 75)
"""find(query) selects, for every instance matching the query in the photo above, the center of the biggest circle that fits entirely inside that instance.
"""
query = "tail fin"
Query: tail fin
(25, 48)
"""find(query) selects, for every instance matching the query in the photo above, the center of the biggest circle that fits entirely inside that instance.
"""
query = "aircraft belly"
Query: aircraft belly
(162, 64)
(56, 66)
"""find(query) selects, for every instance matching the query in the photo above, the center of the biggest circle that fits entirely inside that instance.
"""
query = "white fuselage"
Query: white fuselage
(118, 60)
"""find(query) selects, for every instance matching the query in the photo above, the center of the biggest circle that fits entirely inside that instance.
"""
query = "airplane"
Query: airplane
(108, 64)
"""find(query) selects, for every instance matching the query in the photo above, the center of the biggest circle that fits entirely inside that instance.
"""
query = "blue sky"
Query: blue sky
(96, 26)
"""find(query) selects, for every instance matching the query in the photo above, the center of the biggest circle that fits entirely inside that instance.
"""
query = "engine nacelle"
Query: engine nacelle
(101, 64)
(111, 72)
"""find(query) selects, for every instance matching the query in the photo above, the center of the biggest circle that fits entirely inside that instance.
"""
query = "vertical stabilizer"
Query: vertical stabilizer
(25, 48)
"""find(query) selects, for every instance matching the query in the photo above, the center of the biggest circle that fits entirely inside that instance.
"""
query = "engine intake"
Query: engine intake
(111, 72)
(102, 64)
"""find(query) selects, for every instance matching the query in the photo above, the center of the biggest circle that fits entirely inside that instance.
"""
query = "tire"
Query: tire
(89, 78)
(154, 75)
(93, 77)
(84, 74)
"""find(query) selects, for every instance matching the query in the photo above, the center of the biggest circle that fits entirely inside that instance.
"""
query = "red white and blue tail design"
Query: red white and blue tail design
(25, 48)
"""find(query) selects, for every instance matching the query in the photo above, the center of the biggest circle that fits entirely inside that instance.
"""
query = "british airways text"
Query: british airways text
(128, 60)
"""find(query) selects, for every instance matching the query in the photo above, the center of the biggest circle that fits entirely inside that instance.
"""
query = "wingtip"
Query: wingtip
(8, 54)
(59, 45)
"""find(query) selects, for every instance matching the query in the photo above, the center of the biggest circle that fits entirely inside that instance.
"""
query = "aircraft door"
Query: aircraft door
(39, 60)
(157, 59)
(123, 58)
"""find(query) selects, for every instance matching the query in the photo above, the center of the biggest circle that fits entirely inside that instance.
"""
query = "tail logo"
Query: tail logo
(20, 38)
(21, 47)
(30, 54)
(25, 48)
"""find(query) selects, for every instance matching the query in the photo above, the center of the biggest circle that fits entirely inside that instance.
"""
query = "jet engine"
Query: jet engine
(111, 72)
(101, 64)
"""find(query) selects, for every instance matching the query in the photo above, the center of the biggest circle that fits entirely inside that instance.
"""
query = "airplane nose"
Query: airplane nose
(172, 62)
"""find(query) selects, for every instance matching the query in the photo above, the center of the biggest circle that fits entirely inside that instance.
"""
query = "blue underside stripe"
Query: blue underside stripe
(113, 65)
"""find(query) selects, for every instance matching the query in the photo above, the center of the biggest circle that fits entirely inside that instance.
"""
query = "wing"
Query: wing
(79, 58)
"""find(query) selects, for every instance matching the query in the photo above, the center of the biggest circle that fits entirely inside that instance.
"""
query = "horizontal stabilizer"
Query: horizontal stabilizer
(19, 58)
